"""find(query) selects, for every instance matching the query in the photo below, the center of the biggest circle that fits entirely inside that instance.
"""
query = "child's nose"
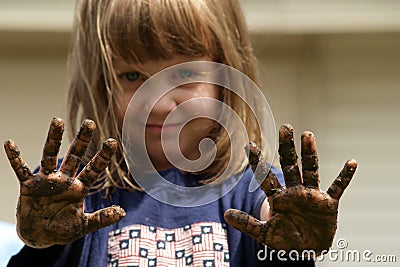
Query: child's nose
(165, 104)
(158, 95)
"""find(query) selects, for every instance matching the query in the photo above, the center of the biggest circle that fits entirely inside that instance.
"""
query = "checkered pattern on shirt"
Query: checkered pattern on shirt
(201, 244)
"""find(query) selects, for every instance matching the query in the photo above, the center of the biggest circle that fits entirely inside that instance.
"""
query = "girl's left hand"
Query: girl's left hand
(301, 216)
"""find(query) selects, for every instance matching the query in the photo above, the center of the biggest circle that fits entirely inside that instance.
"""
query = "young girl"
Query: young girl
(118, 46)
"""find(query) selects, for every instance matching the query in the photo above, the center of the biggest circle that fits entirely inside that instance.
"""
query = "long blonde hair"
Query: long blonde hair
(141, 30)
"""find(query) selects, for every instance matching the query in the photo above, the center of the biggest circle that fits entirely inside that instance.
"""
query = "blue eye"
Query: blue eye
(132, 76)
(185, 74)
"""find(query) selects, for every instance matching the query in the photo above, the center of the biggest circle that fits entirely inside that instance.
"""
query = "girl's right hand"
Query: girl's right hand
(50, 208)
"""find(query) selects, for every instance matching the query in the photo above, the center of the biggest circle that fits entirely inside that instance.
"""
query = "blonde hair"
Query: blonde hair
(141, 30)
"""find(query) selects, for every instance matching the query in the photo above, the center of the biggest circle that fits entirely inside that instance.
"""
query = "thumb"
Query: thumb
(247, 224)
(103, 218)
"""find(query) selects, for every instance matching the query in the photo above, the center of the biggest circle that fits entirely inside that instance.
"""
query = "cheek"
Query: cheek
(199, 96)
(204, 108)
(196, 90)
(121, 104)
(209, 90)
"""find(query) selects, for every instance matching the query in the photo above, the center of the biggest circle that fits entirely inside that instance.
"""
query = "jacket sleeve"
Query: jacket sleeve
(54, 256)
(36, 257)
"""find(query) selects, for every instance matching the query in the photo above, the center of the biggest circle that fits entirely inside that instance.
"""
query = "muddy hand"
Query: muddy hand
(301, 215)
(50, 206)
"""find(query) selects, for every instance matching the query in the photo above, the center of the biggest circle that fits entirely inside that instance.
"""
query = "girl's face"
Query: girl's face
(132, 77)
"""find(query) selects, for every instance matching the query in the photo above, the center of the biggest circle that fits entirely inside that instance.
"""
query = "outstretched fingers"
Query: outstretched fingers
(48, 164)
(342, 181)
(288, 156)
(78, 148)
(262, 171)
(309, 160)
(103, 218)
(18, 164)
(98, 164)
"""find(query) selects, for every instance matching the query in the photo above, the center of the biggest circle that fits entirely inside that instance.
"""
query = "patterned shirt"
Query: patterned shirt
(158, 234)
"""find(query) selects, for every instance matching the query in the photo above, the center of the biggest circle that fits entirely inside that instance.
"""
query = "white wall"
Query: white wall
(345, 88)
(32, 88)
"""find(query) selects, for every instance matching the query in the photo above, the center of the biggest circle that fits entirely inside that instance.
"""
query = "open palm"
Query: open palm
(301, 217)
(50, 207)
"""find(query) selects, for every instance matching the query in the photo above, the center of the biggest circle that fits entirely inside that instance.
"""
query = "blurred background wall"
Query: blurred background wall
(332, 67)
